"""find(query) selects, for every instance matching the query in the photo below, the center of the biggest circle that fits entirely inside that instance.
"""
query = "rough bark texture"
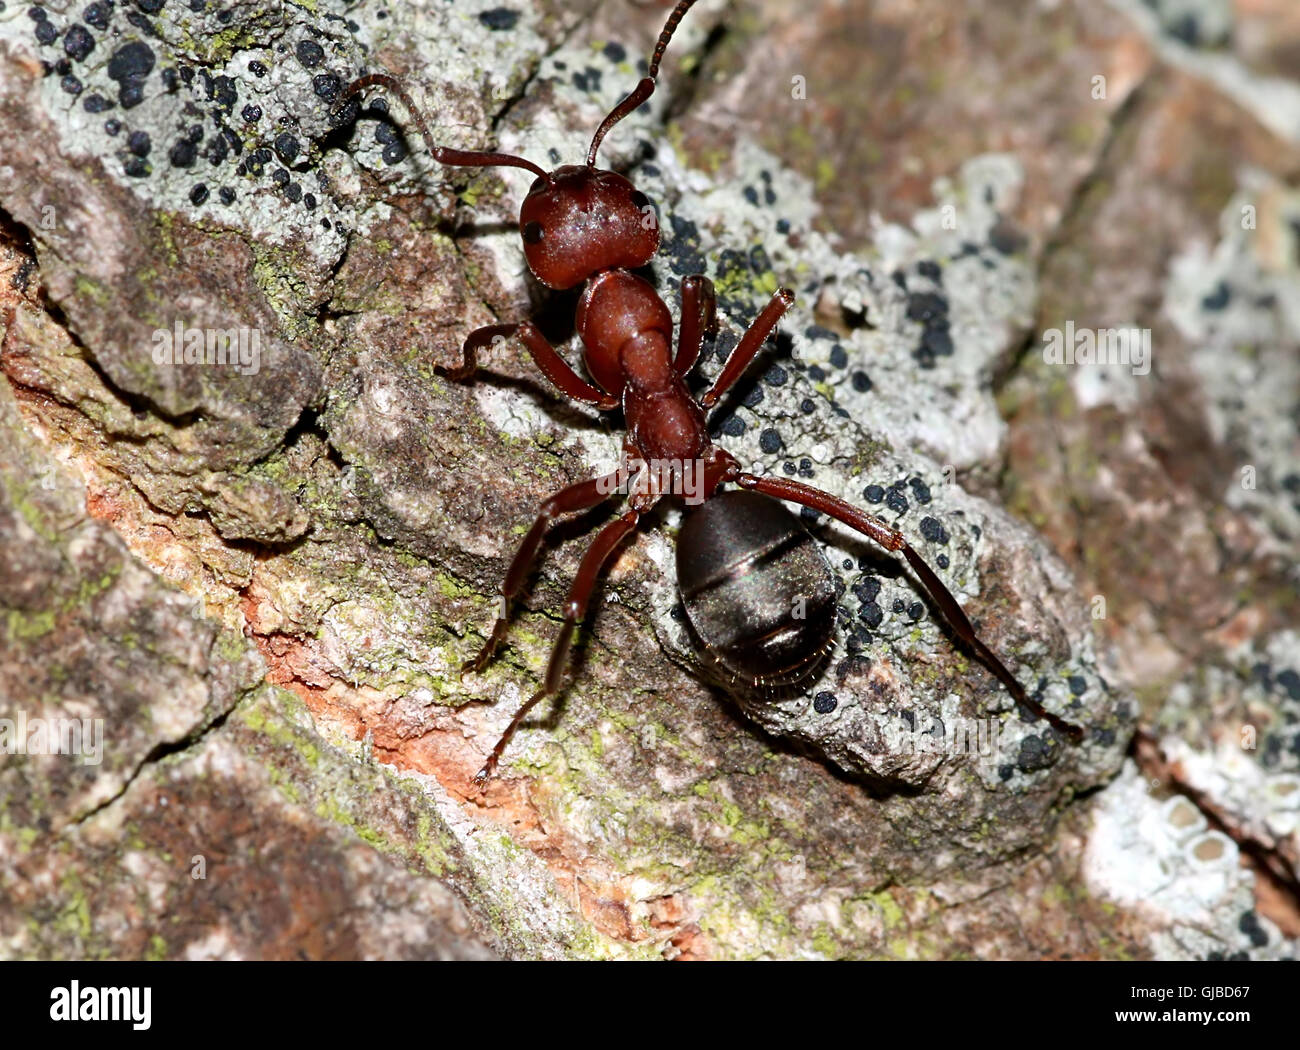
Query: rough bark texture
(262, 577)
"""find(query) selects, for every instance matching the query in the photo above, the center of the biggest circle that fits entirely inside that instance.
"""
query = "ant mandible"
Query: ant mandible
(744, 562)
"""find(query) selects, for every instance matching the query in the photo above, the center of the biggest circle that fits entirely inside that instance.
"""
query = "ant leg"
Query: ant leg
(699, 315)
(544, 355)
(748, 347)
(593, 562)
(891, 539)
(582, 496)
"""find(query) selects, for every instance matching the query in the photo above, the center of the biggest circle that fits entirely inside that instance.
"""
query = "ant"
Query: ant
(756, 589)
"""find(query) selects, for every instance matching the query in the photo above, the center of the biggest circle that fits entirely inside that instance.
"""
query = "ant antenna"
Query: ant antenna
(644, 89)
(442, 154)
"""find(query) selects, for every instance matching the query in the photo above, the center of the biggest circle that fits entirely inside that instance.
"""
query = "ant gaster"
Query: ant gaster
(745, 564)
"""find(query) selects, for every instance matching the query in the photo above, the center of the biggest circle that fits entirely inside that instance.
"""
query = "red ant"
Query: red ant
(757, 591)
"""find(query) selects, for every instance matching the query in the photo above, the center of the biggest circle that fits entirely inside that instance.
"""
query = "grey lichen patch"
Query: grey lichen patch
(1238, 304)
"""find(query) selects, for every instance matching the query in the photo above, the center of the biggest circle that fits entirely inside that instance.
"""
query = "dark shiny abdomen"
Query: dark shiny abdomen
(747, 569)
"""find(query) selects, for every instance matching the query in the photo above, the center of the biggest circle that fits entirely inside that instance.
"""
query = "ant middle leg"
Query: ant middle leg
(544, 355)
(582, 496)
(748, 347)
(893, 540)
(699, 316)
(575, 608)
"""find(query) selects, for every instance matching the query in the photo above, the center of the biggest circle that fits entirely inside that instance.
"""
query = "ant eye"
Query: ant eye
(538, 183)
(532, 232)
(639, 199)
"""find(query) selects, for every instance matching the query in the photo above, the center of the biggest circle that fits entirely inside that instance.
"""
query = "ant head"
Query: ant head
(579, 220)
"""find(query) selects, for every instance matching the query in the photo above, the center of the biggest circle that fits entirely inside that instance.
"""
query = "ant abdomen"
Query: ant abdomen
(757, 591)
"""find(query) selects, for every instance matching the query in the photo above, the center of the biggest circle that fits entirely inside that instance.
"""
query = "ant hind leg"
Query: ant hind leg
(589, 573)
(582, 496)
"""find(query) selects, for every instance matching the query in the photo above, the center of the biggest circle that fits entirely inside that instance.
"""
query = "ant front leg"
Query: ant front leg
(589, 572)
(544, 355)
(892, 540)
(582, 496)
(699, 316)
(748, 347)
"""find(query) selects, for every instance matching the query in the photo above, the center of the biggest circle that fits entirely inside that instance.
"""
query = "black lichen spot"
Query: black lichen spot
(78, 42)
(182, 154)
(867, 590)
(615, 52)
(782, 225)
(280, 177)
(896, 501)
(1006, 239)
(824, 703)
(294, 192)
(807, 407)
(809, 516)
(915, 611)
(733, 426)
(754, 397)
(805, 468)
(685, 247)
(899, 605)
(226, 194)
(198, 194)
(46, 33)
(776, 376)
(309, 201)
(327, 86)
(920, 490)
(394, 153)
(1035, 754)
(222, 90)
(95, 103)
(751, 195)
(928, 268)
(138, 143)
(839, 358)
(942, 561)
(871, 614)
(150, 7)
(873, 493)
(926, 306)
(136, 167)
(129, 65)
(309, 53)
(71, 85)
(251, 113)
(770, 441)
(1290, 681)
(499, 18)
(258, 69)
(96, 15)
(287, 146)
(112, 126)
(816, 373)
(933, 530)
(1078, 684)
(936, 341)
(789, 467)
(1217, 299)
(1249, 925)
(861, 381)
